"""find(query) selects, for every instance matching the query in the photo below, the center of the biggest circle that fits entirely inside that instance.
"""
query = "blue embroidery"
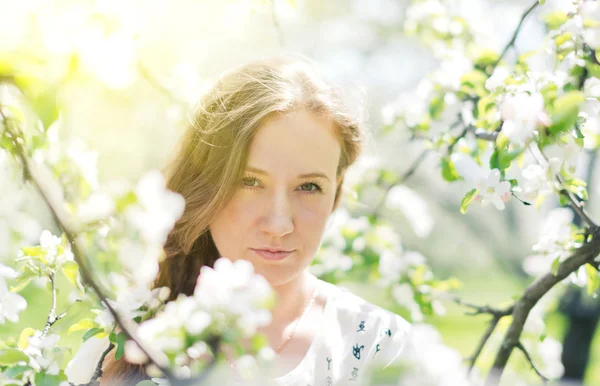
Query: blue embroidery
(376, 350)
(328, 363)
(356, 351)
(387, 332)
(361, 326)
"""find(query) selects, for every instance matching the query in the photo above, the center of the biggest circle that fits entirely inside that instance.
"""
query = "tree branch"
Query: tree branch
(583, 255)
(573, 202)
(522, 348)
(98, 371)
(52, 318)
(512, 41)
(488, 332)
(403, 177)
(61, 217)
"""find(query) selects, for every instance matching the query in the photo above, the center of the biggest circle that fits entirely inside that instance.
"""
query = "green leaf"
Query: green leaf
(565, 110)
(12, 356)
(555, 19)
(15, 372)
(563, 38)
(23, 341)
(83, 324)
(593, 279)
(466, 201)
(71, 272)
(555, 266)
(124, 201)
(473, 82)
(146, 382)
(448, 171)
(48, 380)
(542, 2)
(436, 107)
(92, 332)
(121, 338)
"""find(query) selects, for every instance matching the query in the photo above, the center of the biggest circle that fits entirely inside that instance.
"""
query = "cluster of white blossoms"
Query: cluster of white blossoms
(229, 297)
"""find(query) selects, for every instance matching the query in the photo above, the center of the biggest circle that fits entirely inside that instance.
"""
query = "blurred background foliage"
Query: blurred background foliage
(125, 74)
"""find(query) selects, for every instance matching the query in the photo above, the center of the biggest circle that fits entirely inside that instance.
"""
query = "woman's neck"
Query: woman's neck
(292, 298)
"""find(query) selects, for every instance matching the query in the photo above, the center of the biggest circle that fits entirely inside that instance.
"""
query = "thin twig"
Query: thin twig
(522, 348)
(62, 220)
(484, 309)
(573, 202)
(482, 342)
(52, 314)
(98, 371)
(402, 178)
(515, 34)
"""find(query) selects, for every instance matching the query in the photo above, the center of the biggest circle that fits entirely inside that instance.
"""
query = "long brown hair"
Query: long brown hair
(213, 153)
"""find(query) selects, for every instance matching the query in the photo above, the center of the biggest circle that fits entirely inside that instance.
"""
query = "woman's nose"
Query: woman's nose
(278, 221)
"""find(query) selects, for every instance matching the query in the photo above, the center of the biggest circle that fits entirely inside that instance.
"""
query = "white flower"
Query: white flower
(497, 79)
(233, 288)
(414, 208)
(158, 208)
(591, 35)
(565, 155)
(10, 303)
(330, 260)
(81, 368)
(141, 261)
(86, 161)
(404, 295)
(535, 182)
(492, 190)
(50, 244)
(97, 207)
(41, 353)
(521, 114)
(556, 241)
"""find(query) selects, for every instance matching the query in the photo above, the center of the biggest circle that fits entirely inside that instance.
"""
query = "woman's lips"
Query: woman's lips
(268, 255)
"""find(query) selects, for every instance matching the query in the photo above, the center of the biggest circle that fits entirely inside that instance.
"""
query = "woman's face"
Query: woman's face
(285, 197)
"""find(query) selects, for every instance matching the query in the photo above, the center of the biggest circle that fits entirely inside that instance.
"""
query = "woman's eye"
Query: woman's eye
(250, 181)
(310, 187)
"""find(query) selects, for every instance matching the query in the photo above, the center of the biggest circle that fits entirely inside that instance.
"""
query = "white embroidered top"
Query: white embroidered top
(355, 337)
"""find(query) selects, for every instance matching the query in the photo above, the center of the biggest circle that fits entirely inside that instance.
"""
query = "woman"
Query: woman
(261, 169)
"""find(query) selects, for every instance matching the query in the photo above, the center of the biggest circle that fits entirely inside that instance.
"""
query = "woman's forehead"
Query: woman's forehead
(300, 142)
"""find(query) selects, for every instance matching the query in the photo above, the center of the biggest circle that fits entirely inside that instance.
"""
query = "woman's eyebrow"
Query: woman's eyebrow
(307, 175)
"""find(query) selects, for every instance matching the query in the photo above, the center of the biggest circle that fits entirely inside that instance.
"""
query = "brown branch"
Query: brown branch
(61, 217)
(486, 335)
(98, 371)
(583, 255)
(484, 309)
(522, 348)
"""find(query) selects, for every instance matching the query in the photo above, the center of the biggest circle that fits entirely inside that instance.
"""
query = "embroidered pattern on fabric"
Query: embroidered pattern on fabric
(328, 363)
(356, 351)
(377, 349)
(387, 332)
(354, 374)
(328, 381)
(361, 326)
